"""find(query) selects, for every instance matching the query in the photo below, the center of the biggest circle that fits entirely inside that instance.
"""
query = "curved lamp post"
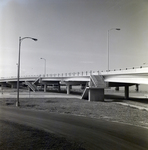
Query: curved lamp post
(18, 74)
(44, 66)
(108, 42)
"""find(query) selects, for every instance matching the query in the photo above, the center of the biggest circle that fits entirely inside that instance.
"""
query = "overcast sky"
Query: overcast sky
(72, 35)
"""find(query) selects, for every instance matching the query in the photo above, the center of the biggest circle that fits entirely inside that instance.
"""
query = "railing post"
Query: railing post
(90, 72)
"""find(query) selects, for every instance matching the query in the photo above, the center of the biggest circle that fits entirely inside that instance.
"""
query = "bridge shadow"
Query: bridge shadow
(113, 98)
(118, 98)
(72, 92)
(140, 100)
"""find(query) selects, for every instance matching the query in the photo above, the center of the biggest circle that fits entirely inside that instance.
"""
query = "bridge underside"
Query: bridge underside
(92, 94)
(125, 85)
(115, 84)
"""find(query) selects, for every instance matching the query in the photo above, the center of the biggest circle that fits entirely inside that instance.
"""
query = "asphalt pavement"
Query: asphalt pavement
(95, 134)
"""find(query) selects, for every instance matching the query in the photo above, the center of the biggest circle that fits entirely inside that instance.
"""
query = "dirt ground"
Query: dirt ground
(112, 109)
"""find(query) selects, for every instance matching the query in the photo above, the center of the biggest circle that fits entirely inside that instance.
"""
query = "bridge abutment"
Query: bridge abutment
(96, 94)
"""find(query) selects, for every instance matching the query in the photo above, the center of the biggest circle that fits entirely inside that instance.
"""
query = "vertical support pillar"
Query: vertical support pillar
(2, 88)
(45, 87)
(137, 88)
(12, 86)
(126, 91)
(68, 89)
(59, 88)
(117, 88)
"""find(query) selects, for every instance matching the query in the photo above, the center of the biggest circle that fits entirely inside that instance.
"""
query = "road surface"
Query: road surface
(95, 134)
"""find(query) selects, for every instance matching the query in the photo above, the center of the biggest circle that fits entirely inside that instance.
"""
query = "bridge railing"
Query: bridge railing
(73, 74)
(129, 68)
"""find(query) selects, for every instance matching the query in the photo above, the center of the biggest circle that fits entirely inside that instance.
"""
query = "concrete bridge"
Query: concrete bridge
(93, 83)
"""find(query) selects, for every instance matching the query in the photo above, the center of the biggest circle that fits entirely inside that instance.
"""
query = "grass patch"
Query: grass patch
(9, 103)
(31, 105)
(108, 110)
(15, 137)
(51, 101)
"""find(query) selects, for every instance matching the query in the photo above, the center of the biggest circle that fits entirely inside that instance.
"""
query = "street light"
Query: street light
(108, 42)
(18, 64)
(44, 66)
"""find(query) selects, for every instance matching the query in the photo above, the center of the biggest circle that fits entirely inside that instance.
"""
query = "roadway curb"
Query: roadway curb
(134, 106)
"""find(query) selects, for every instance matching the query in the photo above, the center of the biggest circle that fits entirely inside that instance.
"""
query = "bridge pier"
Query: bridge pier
(137, 88)
(126, 91)
(68, 89)
(2, 88)
(117, 88)
(45, 87)
(13, 86)
(59, 87)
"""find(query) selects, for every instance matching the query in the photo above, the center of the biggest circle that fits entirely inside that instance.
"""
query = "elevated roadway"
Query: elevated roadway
(94, 80)
(133, 75)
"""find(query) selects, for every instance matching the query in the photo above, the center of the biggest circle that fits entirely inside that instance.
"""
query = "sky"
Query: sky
(72, 35)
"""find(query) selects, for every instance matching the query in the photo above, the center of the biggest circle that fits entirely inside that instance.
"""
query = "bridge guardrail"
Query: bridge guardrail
(84, 73)
(129, 68)
(73, 74)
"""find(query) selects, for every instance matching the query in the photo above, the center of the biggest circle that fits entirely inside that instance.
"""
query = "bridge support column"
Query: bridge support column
(59, 88)
(126, 91)
(2, 88)
(45, 87)
(117, 88)
(96, 94)
(13, 86)
(68, 89)
(137, 88)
